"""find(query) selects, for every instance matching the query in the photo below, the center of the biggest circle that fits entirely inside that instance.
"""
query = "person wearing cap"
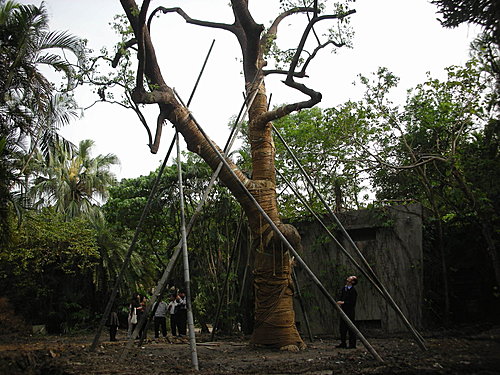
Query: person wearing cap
(347, 302)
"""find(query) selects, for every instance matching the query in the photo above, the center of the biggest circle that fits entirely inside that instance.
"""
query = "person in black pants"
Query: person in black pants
(160, 320)
(181, 313)
(347, 301)
(171, 311)
(113, 324)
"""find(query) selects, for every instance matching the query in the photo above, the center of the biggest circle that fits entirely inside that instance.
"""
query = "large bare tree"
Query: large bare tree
(274, 316)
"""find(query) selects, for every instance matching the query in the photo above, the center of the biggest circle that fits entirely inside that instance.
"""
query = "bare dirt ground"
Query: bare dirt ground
(466, 351)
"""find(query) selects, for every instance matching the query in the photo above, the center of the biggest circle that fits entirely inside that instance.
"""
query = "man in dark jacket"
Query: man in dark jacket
(347, 301)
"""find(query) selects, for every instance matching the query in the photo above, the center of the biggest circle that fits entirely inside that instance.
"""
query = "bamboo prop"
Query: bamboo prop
(201, 73)
(148, 322)
(224, 288)
(301, 302)
(131, 248)
(247, 265)
(185, 259)
(160, 287)
(418, 337)
(330, 234)
(284, 240)
(166, 274)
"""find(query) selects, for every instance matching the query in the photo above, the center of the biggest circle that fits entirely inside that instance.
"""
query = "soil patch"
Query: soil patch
(448, 353)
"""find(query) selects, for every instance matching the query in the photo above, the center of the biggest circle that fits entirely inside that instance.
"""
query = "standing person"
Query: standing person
(347, 301)
(113, 325)
(171, 313)
(160, 319)
(140, 311)
(135, 303)
(181, 313)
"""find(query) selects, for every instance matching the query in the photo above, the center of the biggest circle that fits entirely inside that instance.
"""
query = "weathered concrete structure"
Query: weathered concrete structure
(391, 240)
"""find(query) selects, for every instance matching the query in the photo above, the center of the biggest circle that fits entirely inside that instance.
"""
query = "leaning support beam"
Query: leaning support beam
(201, 73)
(302, 307)
(226, 280)
(185, 261)
(330, 234)
(162, 283)
(285, 241)
(418, 337)
(160, 287)
(131, 248)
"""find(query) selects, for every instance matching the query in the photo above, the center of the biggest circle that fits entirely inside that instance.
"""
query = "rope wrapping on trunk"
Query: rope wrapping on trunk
(274, 314)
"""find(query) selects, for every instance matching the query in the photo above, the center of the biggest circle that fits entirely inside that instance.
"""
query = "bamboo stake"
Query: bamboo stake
(201, 73)
(131, 248)
(185, 258)
(302, 307)
(166, 274)
(284, 240)
(221, 299)
(418, 338)
(247, 266)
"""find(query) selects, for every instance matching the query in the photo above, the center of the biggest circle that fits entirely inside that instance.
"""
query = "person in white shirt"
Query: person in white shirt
(171, 311)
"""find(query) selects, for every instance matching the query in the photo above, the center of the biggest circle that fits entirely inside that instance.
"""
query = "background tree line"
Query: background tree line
(66, 223)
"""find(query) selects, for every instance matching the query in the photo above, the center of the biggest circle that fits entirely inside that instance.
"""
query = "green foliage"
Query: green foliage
(322, 141)
(31, 108)
(46, 269)
(481, 12)
(74, 182)
(436, 132)
(209, 245)
(441, 149)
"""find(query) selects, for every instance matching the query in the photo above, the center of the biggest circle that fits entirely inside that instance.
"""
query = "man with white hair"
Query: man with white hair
(347, 301)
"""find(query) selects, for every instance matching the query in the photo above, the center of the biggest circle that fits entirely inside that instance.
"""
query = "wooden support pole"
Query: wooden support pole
(224, 288)
(301, 302)
(418, 337)
(285, 241)
(131, 248)
(185, 259)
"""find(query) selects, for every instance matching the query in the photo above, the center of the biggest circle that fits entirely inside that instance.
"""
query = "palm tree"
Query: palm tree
(27, 44)
(30, 112)
(75, 184)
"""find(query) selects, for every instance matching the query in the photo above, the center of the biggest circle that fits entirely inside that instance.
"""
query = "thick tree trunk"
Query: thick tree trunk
(274, 314)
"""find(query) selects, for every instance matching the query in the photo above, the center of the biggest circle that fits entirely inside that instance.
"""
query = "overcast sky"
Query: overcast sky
(403, 35)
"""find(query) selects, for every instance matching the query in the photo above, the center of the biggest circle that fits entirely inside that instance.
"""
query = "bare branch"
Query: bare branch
(316, 50)
(128, 44)
(285, 72)
(273, 30)
(159, 125)
(302, 73)
(308, 28)
(105, 101)
(315, 97)
(192, 21)
(289, 108)
(379, 160)
(139, 114)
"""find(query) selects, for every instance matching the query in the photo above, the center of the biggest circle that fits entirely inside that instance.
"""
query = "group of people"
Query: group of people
(176, 310)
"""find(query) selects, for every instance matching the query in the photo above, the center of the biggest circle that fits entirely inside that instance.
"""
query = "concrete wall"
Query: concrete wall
(391, 241)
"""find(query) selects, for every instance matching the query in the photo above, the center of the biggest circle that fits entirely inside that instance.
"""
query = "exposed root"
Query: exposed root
(290, 348)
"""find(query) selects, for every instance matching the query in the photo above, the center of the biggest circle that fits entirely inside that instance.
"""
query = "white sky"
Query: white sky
(403, 35)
